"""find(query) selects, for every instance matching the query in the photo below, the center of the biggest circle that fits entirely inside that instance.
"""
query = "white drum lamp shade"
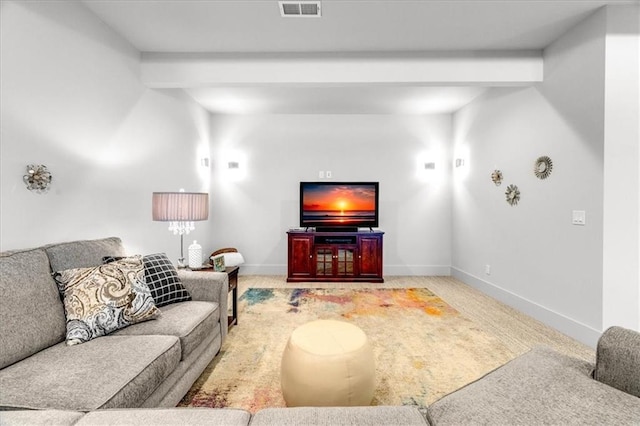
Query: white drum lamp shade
(180, 206)
(180, 209)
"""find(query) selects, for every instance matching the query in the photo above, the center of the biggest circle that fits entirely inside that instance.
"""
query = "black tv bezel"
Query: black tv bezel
(311, 224)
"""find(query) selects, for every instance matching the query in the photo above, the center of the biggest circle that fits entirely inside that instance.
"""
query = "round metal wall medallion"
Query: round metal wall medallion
(543, 167)
(513, 195)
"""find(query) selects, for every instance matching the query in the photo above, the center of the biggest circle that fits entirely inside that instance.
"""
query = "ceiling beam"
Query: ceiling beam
(487, 68)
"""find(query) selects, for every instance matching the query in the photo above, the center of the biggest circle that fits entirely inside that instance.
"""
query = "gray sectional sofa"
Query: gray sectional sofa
(299, 416)
(546, 387)
(149, 364)
(115, 378)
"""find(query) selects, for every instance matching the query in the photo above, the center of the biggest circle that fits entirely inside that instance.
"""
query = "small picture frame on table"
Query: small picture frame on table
(218, 263)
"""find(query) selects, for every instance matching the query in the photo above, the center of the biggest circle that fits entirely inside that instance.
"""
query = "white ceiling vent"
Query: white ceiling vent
(300, 9)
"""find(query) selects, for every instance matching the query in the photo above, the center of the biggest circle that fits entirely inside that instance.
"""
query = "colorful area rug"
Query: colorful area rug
(423, 347)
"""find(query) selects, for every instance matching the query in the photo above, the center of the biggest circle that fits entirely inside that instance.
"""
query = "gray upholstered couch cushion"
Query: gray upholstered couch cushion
(618, 360)
(167, 416)
(208, 287)
(353, 416)
(191, 322)
(39, 418)
(137, 417)
(539, 387)
(112, 371)
(31, 313)
(83, 254)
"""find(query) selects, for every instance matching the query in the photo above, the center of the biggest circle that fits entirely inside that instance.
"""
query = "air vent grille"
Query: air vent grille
(300, 9)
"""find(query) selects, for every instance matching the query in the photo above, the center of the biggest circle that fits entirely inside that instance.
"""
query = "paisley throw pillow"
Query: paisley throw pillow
(105, 298)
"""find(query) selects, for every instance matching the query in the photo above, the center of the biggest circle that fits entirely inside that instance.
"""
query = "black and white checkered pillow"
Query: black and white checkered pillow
(161, 277)
(163, 281)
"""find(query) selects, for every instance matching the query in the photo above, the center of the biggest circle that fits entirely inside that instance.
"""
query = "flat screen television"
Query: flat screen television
(339, 205)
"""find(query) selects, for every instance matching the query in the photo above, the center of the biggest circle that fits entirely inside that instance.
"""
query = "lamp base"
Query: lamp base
(181, 264)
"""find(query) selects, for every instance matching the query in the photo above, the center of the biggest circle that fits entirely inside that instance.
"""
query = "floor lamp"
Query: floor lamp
(180, 209)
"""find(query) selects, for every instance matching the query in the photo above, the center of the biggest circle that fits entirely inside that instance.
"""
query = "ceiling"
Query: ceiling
(255, 26)
(333, 100)
(345, 25)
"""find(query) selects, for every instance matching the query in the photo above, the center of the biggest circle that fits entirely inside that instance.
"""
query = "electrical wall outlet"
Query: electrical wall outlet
(487, 269)
(321, 174)
(328, 174)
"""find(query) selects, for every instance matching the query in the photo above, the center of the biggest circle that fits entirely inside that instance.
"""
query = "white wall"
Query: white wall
(276, 152)
(540, 262)
(72, 100)
(621, 275)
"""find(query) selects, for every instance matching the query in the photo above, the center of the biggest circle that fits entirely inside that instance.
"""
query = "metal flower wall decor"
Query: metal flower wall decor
(38, 178)
(496, 177)
(513, 195)
(543, 167)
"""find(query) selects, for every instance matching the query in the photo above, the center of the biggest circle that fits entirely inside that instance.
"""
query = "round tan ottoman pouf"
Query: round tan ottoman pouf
(327, 363)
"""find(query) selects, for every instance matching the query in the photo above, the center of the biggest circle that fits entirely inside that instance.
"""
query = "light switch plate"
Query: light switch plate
(579, 217)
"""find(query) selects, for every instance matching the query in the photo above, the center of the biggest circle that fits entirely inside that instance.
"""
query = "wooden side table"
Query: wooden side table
(232, 271)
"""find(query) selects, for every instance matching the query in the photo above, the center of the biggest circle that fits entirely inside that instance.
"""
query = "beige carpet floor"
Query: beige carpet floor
(423, 348)
(517, 331)
(246, 373)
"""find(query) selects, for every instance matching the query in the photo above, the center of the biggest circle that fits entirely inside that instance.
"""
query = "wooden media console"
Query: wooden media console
(334, 256)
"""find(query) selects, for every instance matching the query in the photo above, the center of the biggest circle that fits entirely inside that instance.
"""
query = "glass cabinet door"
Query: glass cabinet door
(345, 260)
(324, 261)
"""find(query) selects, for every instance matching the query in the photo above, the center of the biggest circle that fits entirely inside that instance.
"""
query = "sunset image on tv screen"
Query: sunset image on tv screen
(353, 204)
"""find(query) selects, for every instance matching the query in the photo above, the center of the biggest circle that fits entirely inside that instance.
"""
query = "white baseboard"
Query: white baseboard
(252, 269)
(581, 332)
(417, 270)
